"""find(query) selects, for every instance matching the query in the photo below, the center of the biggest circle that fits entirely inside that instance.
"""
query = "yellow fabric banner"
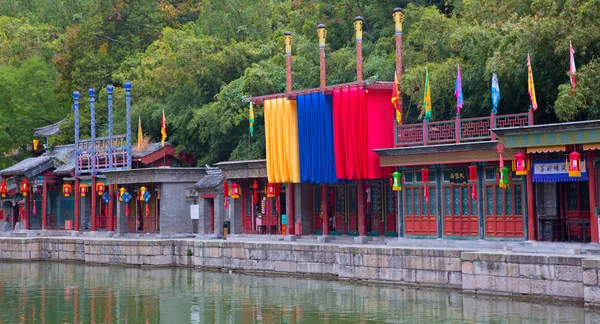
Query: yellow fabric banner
(281, 132)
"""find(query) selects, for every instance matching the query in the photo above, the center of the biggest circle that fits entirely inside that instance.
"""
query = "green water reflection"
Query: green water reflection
(73, 293)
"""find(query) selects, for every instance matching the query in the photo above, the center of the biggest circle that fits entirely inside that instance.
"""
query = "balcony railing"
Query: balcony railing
(457, 130)
(107, 155)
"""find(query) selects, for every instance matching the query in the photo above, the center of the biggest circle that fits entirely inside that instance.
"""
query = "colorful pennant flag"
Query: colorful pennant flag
(495, 93)
(163, 129)
(572, 69)
(530, 85)
(396, 99)
(427, 98)
(251, 119)
(458, 93)
(139, 142)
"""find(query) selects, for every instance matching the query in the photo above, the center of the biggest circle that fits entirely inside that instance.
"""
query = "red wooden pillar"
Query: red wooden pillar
(493, 125)
(531, 217)
(322, 33)
(291, 223)
(93, 198)
(45, 203)
(362, 218)
(325, 209)
(111, 203)
(27, 211)
(591, 168)
(358, 27)
(530, 116)
(77, 197)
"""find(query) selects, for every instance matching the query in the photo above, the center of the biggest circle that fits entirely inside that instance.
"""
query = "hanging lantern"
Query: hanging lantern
(35, 145)
(520, 164)
(100, 188)
(504, 177)
(235, 191)
(3, 188)
(391, 182)
(424, 175)
(574, 164)
(83, 188)
(472, 173)
(122, 191)
(24, 187)
(270, 190)
(397, 181)
(225, 189)
(66, 189)
(255, 187)
(142, 192)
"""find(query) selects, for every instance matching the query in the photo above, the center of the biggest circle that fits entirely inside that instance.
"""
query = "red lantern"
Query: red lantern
(225, 189)
(83, 188)
(24, 187)
(255, 187)
(3, 188)
(235, 191)
(424, 175)
(574, 165)
(66, 189)
(472, 173)
(520, 164)
(100, 188)
(270, 190)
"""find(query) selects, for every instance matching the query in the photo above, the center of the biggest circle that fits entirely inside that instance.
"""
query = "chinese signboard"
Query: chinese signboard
(555, 171)
(458, 175)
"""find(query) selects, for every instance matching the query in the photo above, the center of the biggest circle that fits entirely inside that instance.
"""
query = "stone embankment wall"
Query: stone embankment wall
(559, 277)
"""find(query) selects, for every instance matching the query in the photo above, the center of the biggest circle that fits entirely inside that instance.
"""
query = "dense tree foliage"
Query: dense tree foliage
(196, 60)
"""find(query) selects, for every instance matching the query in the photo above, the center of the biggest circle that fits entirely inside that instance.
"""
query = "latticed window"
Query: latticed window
(415, 203)
(504, 202)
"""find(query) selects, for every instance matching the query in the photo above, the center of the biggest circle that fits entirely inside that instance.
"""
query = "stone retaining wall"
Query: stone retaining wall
(573, 277)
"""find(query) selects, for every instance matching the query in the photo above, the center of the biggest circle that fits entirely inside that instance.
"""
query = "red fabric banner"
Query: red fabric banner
(362, 122)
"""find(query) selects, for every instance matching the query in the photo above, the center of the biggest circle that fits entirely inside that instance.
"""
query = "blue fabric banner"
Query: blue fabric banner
(315, 138)
(556, 171)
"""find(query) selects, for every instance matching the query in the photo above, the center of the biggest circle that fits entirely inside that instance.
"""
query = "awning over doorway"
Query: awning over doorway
(555, 171)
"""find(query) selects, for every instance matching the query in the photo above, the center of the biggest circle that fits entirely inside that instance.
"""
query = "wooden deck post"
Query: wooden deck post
(77, 198)
(45, 203)
(591, 169)
(291, 222)
(93, 198)
(531, 217)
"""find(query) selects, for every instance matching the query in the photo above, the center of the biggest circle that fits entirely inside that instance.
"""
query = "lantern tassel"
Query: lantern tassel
(127, 209)
(426, 193)
(473, 192)
(147, 209)
(226, 203)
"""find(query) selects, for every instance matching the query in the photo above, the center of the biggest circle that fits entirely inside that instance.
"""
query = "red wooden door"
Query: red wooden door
(504, 210)
(211, 206)
(248, 212)
(460, 211)
(374, 210)
(577, 208)
(352, 209)
(420, 217)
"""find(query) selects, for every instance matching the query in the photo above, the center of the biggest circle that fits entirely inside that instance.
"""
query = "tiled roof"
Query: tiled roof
(212, 179)
(58, 157)
(48, 130)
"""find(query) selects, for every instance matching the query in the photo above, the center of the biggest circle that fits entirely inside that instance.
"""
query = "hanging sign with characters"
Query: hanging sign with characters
(556, 171)
(456, 175)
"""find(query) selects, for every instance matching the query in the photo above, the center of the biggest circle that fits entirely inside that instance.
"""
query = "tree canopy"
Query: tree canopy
(195, 60)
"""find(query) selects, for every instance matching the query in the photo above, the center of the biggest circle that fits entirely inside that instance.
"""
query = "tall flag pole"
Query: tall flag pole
(139, 143)
(163, 129)
(251, 119)
(396, 100)
(495, 93)
(572, 68)
(427, 98)
(530, 85)
(458, 93)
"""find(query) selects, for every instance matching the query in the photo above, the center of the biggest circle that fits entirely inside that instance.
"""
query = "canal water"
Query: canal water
(75, 293)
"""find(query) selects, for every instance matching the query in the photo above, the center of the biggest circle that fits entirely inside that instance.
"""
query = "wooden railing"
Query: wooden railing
(107, 155)
(457, 130)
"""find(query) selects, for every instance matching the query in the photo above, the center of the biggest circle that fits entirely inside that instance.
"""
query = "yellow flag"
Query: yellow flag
(530, 85)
